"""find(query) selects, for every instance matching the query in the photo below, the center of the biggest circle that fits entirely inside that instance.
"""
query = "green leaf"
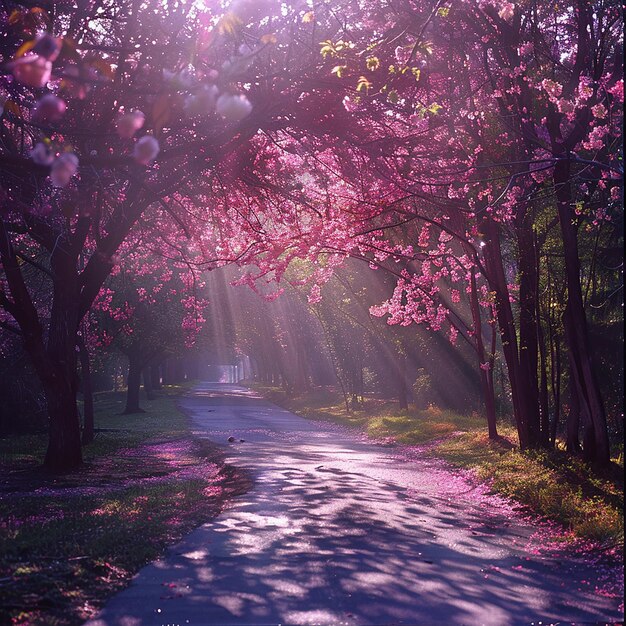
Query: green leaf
(363, 83)
(328, 48)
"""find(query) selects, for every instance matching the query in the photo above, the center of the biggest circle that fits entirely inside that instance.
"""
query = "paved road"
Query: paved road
(339, 530)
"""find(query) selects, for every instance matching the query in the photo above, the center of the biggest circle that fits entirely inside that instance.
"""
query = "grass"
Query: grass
(552, 484)
(67, 543)
(378, 418)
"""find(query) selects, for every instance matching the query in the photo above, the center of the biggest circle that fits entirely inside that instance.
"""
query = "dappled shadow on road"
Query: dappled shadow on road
(339, 531)
(331, 549)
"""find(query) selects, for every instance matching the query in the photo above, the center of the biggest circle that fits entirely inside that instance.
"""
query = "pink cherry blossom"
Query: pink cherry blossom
(49, 108)
(129, 123)
(32, 70)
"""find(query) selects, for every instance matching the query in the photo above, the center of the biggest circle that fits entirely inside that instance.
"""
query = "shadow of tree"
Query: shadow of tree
(337, 531)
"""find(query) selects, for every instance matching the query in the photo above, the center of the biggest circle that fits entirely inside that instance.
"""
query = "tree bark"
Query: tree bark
(575, 321)
(155, 376)
(506, 322)
(528, 326)
(484, 364)
(147, 382)
(572, 441)
(133, 384)
(64, 448)
(556, 388)
(88, 414)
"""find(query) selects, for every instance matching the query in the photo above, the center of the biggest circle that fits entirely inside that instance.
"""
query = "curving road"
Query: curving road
(339, 530)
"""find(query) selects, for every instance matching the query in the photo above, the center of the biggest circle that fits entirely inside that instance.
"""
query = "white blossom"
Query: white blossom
(31, 70)
(203, 101)
(181, 80)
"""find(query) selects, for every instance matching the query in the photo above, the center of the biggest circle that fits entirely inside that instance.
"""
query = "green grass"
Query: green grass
(552, 484)
(67, 543)
(378, 418)
(113, 430)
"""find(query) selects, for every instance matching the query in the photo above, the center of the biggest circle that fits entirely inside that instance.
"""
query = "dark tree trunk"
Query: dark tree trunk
(178, 371)
(165, 372)
(155, 376)
(191, 367)
(556, 390)
(528, 326)
(544, 433)
(544, 400)
(85, 370)
(133, 384)
(60, 381)
(64, 447)
(147, 382)
(498, 284)
(575, 321)
(484, 363)
(572, 441)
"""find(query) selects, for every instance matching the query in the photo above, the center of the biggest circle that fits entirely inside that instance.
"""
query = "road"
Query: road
(341, 530)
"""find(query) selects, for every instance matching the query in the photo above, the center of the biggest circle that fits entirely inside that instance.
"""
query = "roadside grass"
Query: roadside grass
(552, 484)
(69, 542)
(378, 418)
(114, 430)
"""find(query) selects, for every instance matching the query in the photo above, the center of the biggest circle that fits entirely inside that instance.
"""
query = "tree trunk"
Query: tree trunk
(506, 322)
(572, 442)
(60, 380)
(64, 447)
(147, 382)
(133, 384)
(85, 370)
(544, 402)
(556, 389)
(484, 364)
(177, 372)
(575, 321)
(155, 376)
(544, 433)
(528, 326)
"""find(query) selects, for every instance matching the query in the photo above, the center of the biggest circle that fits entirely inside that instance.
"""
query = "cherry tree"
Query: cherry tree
(268, 132)
(471, 119)
(92, 97)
